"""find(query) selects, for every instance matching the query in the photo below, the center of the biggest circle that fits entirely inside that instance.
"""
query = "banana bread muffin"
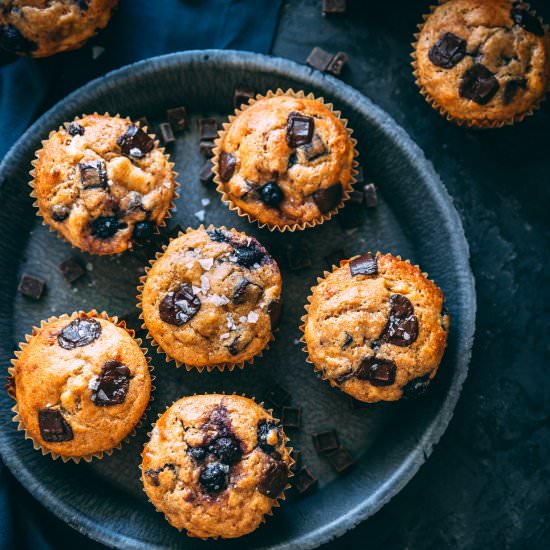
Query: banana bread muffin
(45, 27)
(376, 328)
(103, 183)
(483, 63)
(215, 465)
(212, 299)
(81, 383)
(285, 161)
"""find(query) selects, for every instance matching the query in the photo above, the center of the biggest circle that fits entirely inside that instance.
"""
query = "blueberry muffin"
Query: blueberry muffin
(483, 64)
(215, 465)
(376, 328)
(212, 299)
(103, 183)
(81, 383)
(40, 28)
(286, 161)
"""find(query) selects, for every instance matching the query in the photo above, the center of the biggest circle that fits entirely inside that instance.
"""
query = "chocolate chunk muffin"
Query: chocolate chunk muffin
(212, 299)
(81, 383)
(376, 328)
(215, 465)
(40, 28)
(483, 64)
(103, 183)
(285, 161)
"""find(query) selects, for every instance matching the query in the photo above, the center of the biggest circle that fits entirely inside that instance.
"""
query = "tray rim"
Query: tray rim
(284, 68)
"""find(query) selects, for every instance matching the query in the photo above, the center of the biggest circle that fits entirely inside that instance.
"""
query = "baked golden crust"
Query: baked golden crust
(346, 329)
(49, 376)
(128, 190)
(516, 57)
(185, 441)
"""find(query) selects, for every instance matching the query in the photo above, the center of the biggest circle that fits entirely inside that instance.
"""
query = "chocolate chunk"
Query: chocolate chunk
(105, 227)
(277, 395)
(291, 417)
(246, 292)
(348, 339)
(526, 21)
(237, 346)
(60, 212)
(112, 385)
(197, 453)
(207, 148)
(297, 456)
(328, 198)
(449, 50)
(269, 436)
(511, 88)
(179, 307)
(337, 63)
(31, 287)
(353, 214)
(93, 174)
(242, 95)
(402, 326)
(167, 137)
(297, 257)
(144, 122)
(274, 479)
(325, 442)
(315, 149)
(299, 129)
(226, 166)
(271, 194)
(340, 459)
(14, 42)
(71, 270)
(274, 310)
(319, 59)
(227, 449)
(153, 475)
(371, 197)
(74, 129)
(334, 6)
(214, 477)
(53, 426)
(177, 117)
(143, 230)
(78, 333)
(208, 129)
(416, 387)
(377, 371)
(303, 480)
(364, 265)
(206, 173)
(135, 143)
(478, 84)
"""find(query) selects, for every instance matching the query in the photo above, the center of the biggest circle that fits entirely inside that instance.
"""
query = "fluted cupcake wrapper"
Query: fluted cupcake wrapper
(57, 233)
(12, 389)
(220, 185)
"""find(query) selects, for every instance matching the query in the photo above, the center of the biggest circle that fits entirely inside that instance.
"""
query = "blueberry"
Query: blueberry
(75, 129)
(268, 436)
(227, 449)
(143, 230)
(214, 477)
(271, 194)
(247, 256)
(105, 227)
(197, 453)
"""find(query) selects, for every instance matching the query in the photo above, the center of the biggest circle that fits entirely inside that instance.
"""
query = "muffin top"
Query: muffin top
(286, 161)
(103, 183)
(376, 328)
(483, 60)
(212, 298)
(44, 27)
(215, 465)
(81, 383)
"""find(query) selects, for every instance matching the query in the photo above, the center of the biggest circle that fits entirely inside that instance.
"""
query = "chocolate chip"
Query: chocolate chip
(297, 257)
(291, 417)
(74, 129)
(304, 480)
(206, 148)
(325, 442)
(78, 333)
(208, 129)
(14, 42)
(167, 137)
(353, 214)
(297, 456)
(402, 326)
(271, 194)
(53, 426)
(242, 95)
(299, 129)
(268, 435)
(526, 21)
(31, 287)
(377, 371)
(319, 59)
(511, 88)
(416, 387)
(226, 166)
(364, 265)
(337, 63)
(60, 212)
(179, 307)
(348, 339)
(478, 84)
(246, 292)
(448, 51)
(93, 174)
(135, 142)
(206, 173)
(177, 117)
(105, 227)
(112, 385)
(334, 6)
(274, 479)
(340, 459)
(238, 345)
(315, 149)
(71, 270)
(276, 395)
(153, 475)
(227, 449)
(275, 310)
(143, 230)
(328, 198)
(371, 197)
(197, 453)
(214, 477)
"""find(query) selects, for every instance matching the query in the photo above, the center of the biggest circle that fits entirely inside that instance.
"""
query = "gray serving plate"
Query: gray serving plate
(415, 218)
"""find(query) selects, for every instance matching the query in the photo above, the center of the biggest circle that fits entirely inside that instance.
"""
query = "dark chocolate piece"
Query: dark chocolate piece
(337, 63)
(167, 137)
(177, 117)
(242, 95)
(143, 230)
(93, 174)
(315, 149)
(402, 326)
(334, 6)
(214, 477)
(112, 385)
(206, 173)
(135, 143)
(528, 22)
(227, 449)
(143, 122)
(299, 129)
(478, 84)
(291, 417)
(275, 310)
(340, 459)
(448, 51)
(297, 257)
(274, 479)
(71, 270)
(511, 88)
(246, 252)
(377, 371)
(371, 197)
(208, 129)
(416, 387)
(78, 333)
(53, 426)
(246, 292)
(353, 214)
(364, 265)
(31, 287)
(179, 307)
(319, 59)
(207, 148)
(328, 198)
(60, 212)
(271, 194)
(325, 442)
(277, 395)
(74, 129)
(226, 166)
(14, 42)
(105, 227)
(303, 480)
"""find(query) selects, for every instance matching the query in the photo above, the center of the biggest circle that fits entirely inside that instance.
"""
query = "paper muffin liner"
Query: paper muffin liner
(482, 123)
(11, 388)
(303, 319)
(220, 185)
(281, 497)
(171, 208)
(158, 348)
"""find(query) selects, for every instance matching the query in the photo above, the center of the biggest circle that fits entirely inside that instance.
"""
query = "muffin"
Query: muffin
(215, 465)
(376, 328)
(81, 383)
(285, 161)
(40, 28)
(212, 299)
(103, 183)
(483, 64)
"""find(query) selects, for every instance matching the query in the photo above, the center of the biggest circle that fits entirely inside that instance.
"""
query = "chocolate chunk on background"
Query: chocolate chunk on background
(31, 287)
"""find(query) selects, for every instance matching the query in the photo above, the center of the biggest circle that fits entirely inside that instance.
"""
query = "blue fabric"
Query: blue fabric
(138, 30)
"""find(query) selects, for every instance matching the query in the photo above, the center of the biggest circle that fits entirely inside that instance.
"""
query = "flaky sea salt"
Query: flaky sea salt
(218, 300)
(230, 322)
(205, 202)
(93, 383)
(205, 284)
(253, 317)
(225, 336)
(97, 51)
(243, 319)
(200, 215)
(206, 263)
